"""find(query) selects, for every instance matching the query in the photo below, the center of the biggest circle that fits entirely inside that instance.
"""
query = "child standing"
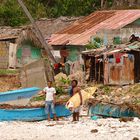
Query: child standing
(50, 100)
(75, 89)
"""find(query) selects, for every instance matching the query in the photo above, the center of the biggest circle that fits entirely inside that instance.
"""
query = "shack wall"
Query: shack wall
(124, 34)
(27, 53)
(136, 65)
(4, 55)
(33, 75)
(74, 61)
(121, 73)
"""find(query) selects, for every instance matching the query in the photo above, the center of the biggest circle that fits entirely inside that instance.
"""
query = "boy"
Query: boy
(75, 89)
(50, 100)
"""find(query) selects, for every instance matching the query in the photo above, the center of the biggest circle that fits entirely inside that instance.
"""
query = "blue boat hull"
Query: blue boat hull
(18, 97)
(108, 110)
(31, 114)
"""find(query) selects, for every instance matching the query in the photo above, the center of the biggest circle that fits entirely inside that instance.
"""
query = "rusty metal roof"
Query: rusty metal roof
(46, 26)
(9, 33)
(79, 32)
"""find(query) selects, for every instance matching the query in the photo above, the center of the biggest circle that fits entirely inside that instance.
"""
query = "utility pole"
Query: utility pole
(37, 31)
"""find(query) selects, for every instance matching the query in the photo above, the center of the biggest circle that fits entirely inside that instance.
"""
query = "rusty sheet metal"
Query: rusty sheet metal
(9, 33)
(122, 74)
(7, 37)
(79, 32)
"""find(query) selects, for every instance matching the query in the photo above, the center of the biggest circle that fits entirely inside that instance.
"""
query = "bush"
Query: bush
(95, 43)
(11, 14)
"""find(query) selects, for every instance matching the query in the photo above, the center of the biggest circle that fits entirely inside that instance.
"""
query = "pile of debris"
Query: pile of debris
(62, 79)
(125, 96)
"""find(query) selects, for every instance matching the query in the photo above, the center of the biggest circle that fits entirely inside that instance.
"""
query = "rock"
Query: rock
(51, 125)
(94, 131)
(135, 138)
(60, 123)
(126, 119)
(118, 90)
(64, 96)
(136, 119)
(126, 87)
(58, 79)
(37, 103)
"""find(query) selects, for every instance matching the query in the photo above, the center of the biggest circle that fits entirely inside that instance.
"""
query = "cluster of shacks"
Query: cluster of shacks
(114, 62)
(21, 48)
(23, 44)
(113, 66)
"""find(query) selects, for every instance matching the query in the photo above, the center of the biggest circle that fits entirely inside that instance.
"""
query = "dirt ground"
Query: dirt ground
(9, 82)
(85, 129)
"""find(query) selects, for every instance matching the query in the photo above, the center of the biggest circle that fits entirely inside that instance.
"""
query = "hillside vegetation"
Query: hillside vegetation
(11, 13)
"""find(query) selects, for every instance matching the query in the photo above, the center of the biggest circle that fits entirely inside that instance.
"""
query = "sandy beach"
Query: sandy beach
(85, 129)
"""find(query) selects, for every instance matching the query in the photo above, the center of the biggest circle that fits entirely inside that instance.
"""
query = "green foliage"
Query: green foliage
(7, 72)
(65, 81)
(106, 89)
(136, 101)
(59, 90)
(91, 46)
(38, 98)
(95, 43)
(36, 8)
(58, 8)
(11, 14)
(98, 40)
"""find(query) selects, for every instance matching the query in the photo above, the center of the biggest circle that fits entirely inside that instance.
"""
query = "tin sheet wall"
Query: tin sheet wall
(120, 74)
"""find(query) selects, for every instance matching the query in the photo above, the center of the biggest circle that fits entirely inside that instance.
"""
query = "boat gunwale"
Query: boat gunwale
(20, 91)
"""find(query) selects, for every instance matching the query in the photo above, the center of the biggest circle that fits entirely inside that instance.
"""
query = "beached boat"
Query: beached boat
(111, 110)
(18, 97)
(31, 114)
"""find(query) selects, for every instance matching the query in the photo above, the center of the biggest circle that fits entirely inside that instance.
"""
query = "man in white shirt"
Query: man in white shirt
(50, 100)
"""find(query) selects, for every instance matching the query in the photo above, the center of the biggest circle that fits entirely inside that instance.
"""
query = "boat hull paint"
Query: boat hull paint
(31, 114)
(108, 110)
(18, 97)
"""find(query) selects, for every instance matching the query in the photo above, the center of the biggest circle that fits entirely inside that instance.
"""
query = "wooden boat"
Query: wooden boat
(18, 97)
(31, 114)
(110, 110)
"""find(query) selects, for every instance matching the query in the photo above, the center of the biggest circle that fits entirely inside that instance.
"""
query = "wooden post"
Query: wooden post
(95, 70)
(99, 73)
(39, 35)
(37, 31)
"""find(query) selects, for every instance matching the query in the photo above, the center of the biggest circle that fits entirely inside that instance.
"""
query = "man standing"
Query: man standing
(50, 100)
(75, 89)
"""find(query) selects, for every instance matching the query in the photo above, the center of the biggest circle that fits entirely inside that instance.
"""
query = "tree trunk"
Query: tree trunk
(102, 3)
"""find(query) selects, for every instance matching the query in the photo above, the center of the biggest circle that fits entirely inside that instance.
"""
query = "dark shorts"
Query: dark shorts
(76, 110)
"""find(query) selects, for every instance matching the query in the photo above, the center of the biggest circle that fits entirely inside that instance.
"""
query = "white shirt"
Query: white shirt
(49, 93)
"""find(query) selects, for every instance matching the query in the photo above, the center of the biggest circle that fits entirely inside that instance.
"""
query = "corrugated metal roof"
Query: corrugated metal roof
(50, 26)
(9, 33)
(79, 32)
